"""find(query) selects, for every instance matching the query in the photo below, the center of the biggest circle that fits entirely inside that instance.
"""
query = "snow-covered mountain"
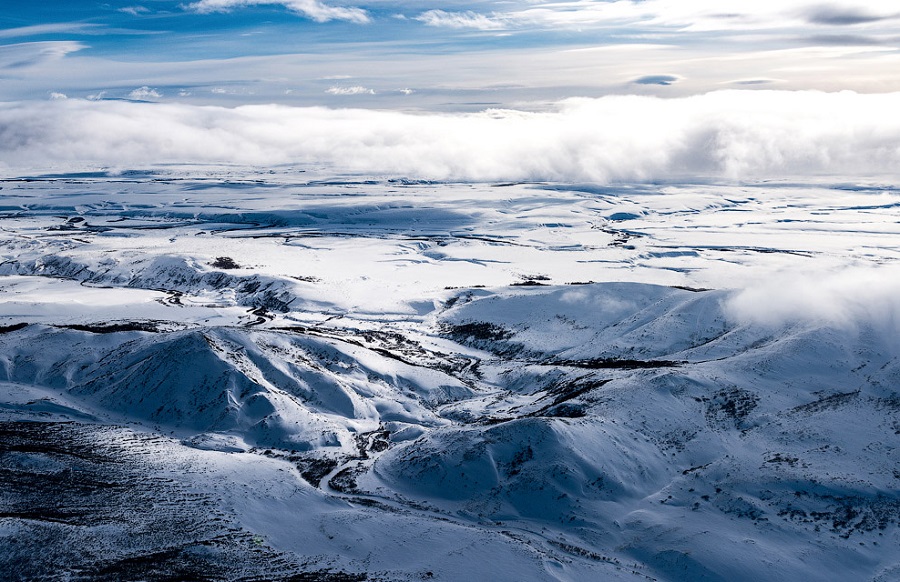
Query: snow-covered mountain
(250, 377)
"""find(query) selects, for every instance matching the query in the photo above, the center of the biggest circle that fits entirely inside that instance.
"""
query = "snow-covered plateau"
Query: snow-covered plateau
(230, 374)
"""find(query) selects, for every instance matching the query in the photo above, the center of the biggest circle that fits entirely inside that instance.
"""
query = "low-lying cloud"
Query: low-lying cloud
(731, 135)
(846, 298)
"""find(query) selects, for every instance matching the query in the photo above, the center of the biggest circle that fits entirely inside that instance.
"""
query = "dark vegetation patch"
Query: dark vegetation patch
(780, 459)
(563, 393)
(225, 263)
(306, 278)
(116, 327)
(616, 364)
(677, 439)
(86, 502)
(476, 330)
(345, 480)
(621, 238)
(484, 336)
(314, 469)
(376, 441)
(390, 345)
(531, 281)
(891, 402)
(262, 315)
(568, 390)
(827, 402)
(844, 514)
(738, 506)
(695, 468)
(729, 407)
(273, 301)
(514, 466)
(583, 552)
(567, 410)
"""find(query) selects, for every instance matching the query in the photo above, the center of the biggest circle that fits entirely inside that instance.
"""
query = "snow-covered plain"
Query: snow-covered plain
(239, 374)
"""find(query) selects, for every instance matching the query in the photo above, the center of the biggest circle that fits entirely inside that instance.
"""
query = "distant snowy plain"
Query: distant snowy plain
(244, 375)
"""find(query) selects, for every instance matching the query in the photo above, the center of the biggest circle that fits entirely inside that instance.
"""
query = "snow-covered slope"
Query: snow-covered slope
(386, 380)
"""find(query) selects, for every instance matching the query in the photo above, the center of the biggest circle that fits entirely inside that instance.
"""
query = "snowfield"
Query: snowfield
(230, 374)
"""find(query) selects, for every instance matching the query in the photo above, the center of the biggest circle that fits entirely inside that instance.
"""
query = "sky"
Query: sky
(575, 90)
(450, 55)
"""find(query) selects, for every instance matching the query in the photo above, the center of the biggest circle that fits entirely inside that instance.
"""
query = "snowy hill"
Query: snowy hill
(367, 379)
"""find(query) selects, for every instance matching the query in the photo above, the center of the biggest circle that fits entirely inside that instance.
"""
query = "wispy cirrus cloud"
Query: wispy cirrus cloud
(69, 28)
(312, 9)
(681, 15)
(135, 10)
(51, 28)
(466, 19)
(28, 54)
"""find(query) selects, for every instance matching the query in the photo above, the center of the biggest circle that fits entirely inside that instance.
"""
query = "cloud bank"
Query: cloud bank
(731, 135)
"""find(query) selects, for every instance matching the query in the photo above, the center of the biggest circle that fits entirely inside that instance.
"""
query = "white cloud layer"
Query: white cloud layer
(312, 9)
(723, 135)
(847, 298)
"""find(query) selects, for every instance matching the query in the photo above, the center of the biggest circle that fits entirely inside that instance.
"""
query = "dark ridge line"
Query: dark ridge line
(113, 327)
(616, 364)
(13, 327)
(567, 396)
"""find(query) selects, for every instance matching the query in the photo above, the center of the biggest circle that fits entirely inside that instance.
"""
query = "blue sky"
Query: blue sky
(439, 55)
